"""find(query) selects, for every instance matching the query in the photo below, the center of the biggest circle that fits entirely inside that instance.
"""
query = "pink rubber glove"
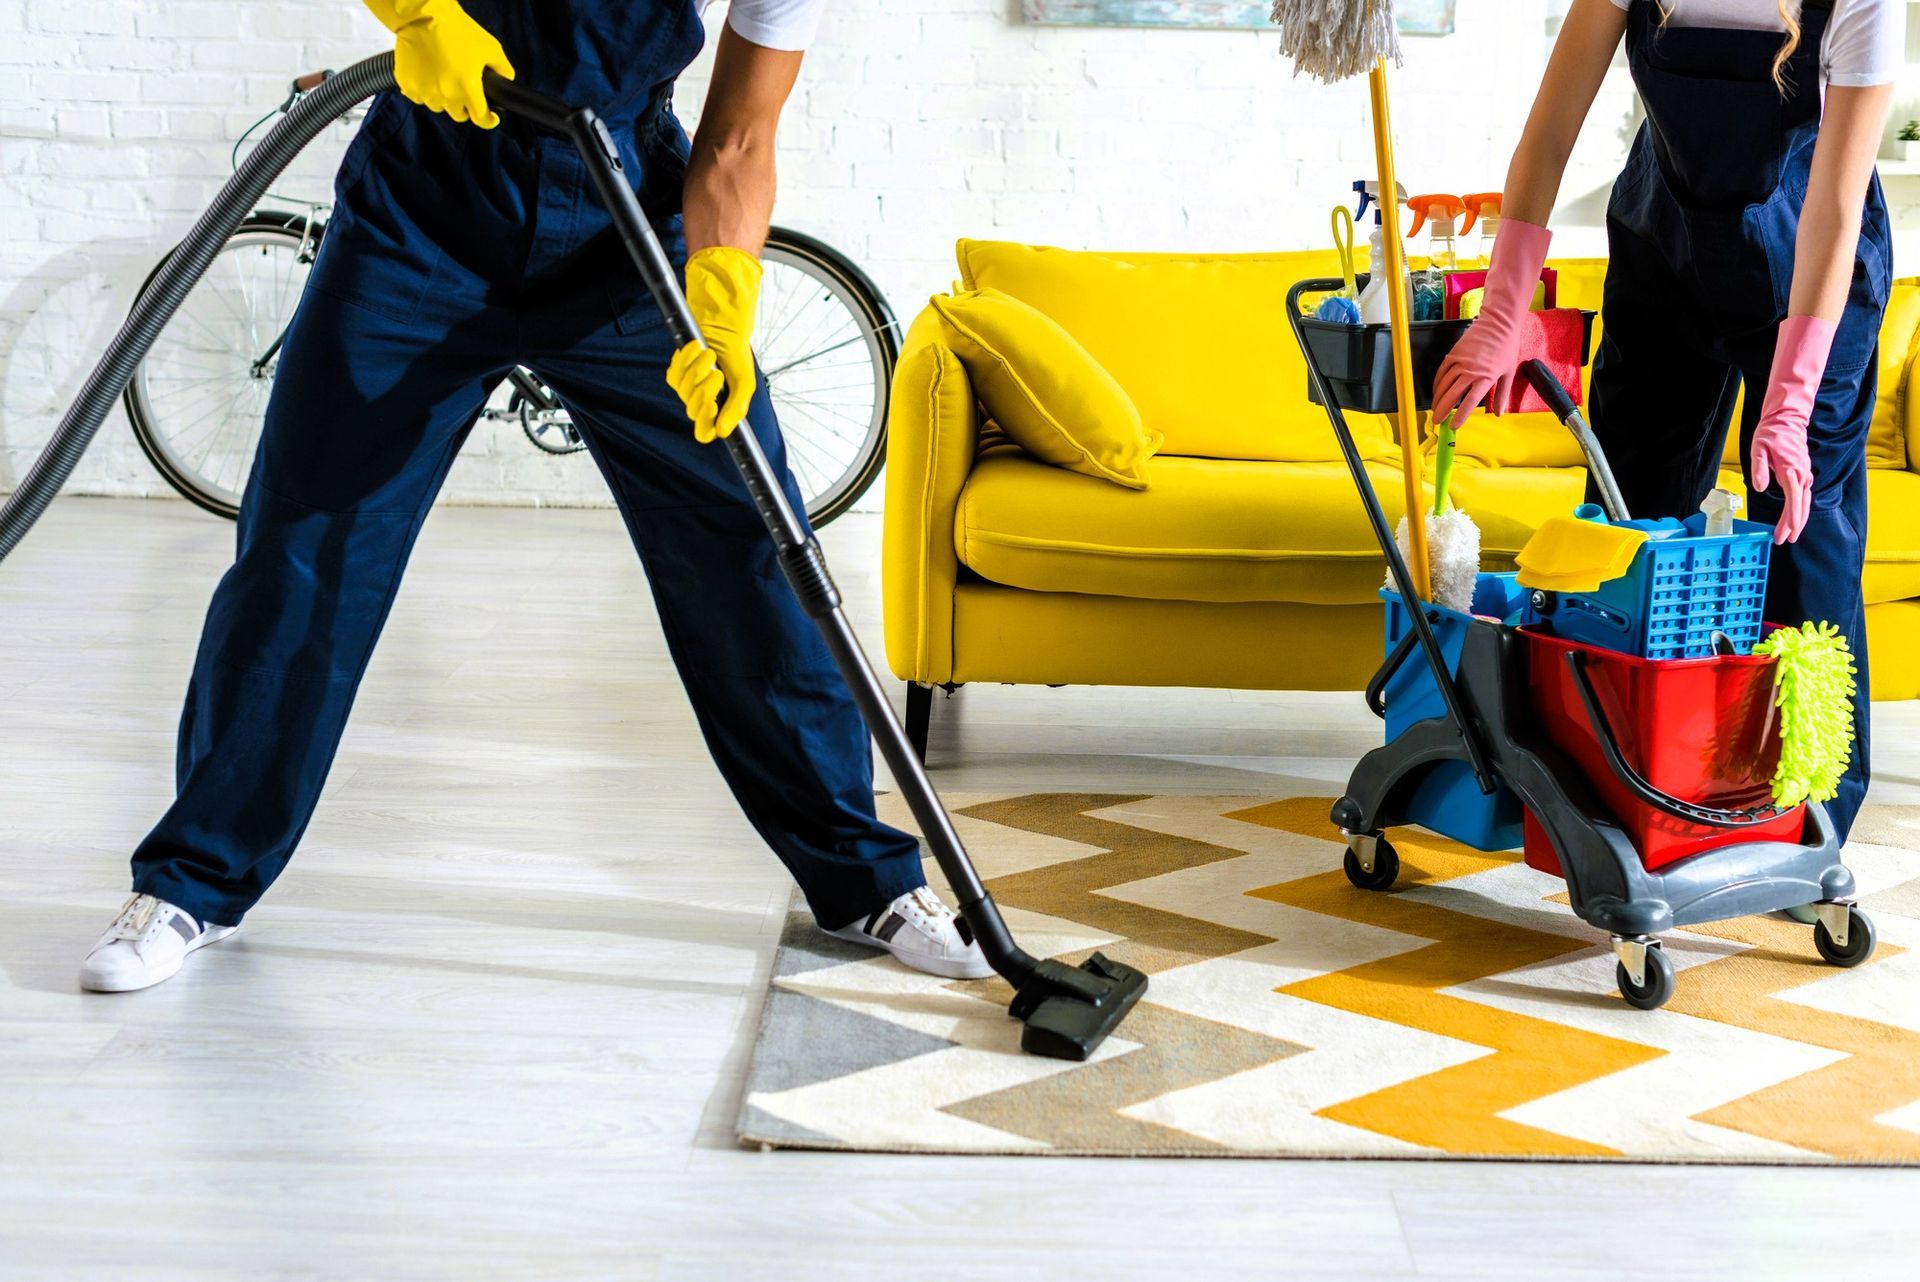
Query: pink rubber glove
(1780, 440)
(1482, 364)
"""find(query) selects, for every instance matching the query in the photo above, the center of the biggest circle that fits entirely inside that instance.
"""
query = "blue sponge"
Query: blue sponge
(1339, 309)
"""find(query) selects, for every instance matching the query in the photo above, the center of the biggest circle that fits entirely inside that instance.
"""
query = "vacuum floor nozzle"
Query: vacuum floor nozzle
(1069, 1010)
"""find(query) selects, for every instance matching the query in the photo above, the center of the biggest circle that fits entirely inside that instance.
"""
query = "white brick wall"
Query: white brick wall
(916, 122)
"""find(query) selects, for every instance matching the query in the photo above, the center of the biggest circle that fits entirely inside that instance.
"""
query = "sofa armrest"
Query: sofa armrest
(1908, 407)
(933, 432)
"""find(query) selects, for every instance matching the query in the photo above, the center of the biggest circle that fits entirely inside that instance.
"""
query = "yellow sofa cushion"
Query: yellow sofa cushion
(1256, 530)
(1208, 530)
(1899, 343)
(1044, 390)
(1199, 341)
(1893, 536)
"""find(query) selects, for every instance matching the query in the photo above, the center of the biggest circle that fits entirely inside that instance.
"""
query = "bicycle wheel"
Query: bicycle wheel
(827, 342)
(198, 400)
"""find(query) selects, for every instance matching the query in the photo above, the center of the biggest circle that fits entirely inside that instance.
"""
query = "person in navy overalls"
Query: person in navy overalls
(461, 245)
(1748, 244)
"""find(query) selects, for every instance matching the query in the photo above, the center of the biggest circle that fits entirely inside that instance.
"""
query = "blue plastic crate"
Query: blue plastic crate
(1447, 799)
(1683, 586)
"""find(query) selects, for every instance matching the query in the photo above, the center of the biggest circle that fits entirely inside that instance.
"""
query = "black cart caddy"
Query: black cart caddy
(1489, 726)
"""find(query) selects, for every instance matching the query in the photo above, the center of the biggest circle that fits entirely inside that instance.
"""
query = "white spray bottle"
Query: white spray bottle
(1720, 507)
(1375, 303)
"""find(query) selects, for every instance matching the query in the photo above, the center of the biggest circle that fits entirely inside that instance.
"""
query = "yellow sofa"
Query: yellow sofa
(1247, 562)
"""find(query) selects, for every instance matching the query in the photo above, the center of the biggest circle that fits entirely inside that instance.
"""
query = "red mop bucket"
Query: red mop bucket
(1702, 732)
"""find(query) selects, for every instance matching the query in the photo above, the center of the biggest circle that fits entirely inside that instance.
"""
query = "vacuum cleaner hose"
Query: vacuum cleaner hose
(168, 289)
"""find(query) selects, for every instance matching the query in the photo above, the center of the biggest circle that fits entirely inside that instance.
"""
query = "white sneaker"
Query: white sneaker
(148, 942)
(924, 934)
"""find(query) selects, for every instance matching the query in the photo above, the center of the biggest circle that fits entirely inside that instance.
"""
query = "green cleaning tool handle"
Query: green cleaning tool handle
(1443, 462)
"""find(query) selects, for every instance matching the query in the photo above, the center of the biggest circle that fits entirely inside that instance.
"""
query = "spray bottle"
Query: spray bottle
(1720, 507)
(1375, 303)
(1484, 205)
(1437, 213)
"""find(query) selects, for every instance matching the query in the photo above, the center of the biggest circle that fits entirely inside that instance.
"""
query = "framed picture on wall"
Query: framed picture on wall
(1416, 17)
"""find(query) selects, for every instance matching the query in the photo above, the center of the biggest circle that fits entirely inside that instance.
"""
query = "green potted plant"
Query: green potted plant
(1907, 152)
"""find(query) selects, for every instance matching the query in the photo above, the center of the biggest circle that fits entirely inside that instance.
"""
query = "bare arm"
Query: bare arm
(730, 176)
(1581, 55)
(1836, 190)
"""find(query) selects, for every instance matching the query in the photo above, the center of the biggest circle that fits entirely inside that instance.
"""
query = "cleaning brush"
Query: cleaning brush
(1333, 39)
(1453, 540)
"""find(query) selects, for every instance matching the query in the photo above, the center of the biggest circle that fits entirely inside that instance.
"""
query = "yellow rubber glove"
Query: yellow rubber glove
(723, 289)
(438, 55)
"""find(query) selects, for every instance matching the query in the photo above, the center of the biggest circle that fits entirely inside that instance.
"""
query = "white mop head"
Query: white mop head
(1334, 39)
(1453, 543)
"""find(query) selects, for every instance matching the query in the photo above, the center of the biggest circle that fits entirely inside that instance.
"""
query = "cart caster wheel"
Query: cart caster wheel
(1386, 865)
(1656, 984)
(1859, 945)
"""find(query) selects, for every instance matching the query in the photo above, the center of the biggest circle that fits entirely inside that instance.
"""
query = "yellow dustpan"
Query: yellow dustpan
(1567, 554)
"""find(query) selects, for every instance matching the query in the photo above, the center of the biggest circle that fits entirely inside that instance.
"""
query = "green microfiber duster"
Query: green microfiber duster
(1813, 675)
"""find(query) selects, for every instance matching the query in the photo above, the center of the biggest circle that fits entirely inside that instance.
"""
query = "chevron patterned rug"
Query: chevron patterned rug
(1466, 1014)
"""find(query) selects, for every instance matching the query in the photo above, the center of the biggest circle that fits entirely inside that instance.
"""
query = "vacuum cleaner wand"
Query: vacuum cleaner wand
(1068, 1010)
(1560, 401)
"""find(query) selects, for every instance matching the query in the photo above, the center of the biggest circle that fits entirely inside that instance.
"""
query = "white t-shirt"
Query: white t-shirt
(1865, 44)
(775, 24)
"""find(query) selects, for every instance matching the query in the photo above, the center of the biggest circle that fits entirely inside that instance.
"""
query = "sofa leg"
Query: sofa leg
(919, 714)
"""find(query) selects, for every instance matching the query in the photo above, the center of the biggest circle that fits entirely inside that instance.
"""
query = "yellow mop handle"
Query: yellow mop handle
(1418, 563)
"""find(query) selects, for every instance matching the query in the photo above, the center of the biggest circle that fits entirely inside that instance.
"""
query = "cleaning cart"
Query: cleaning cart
(1504, 732)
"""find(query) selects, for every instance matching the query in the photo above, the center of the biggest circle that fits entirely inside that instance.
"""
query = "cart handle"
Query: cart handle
(1623, 770)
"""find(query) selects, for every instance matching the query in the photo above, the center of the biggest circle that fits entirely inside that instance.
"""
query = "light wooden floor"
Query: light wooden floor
(492, 1023)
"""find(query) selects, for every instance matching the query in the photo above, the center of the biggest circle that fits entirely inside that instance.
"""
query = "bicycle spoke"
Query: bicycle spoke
(774, 337)
(246, 303)
(815, 429)
(814, 321)
(806, 362)
(790, 292)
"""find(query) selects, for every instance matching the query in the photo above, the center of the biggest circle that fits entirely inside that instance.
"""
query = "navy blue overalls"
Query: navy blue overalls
(1700, 232)
(453, 254)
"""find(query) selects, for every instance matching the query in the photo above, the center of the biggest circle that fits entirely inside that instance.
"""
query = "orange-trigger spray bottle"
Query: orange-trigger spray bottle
(1484, 205)
(1438, 212)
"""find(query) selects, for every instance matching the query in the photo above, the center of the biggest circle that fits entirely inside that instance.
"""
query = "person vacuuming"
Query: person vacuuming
(460, 246)
(1748, 243)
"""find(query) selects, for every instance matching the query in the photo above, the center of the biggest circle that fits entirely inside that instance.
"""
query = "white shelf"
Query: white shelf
(1899, 168)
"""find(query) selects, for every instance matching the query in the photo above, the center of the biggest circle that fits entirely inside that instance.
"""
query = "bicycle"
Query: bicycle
(198, 400)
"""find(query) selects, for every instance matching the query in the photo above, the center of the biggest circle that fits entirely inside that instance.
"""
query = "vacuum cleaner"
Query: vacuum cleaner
(1067, 1010)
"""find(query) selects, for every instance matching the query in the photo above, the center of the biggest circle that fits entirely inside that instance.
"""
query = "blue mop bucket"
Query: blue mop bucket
(1447, 799)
